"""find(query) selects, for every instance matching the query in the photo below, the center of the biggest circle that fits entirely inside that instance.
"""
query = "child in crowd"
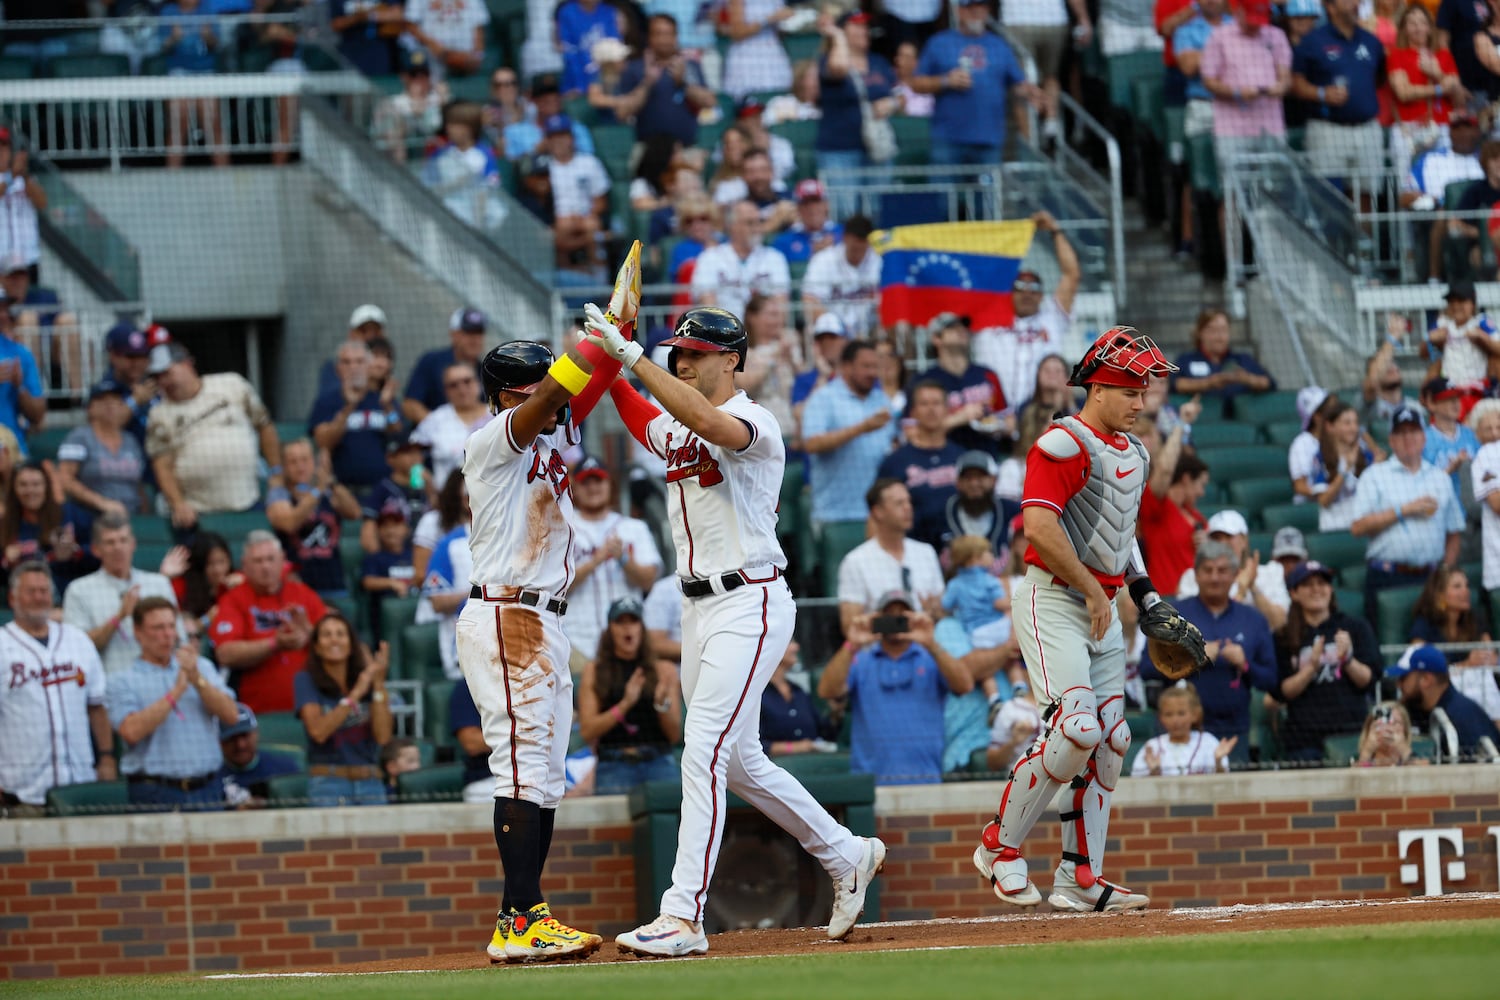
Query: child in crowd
(388, 571)
(407, 491)
(978, 599)
(397, 757)
(1015, 726)
(1184, 748)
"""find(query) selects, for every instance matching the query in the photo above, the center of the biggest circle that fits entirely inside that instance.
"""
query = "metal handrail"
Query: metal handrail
(1115, 184)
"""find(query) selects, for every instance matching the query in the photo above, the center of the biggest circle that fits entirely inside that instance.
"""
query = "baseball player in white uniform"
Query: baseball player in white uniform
(511, 645)
(1084, 478)
(53, 723)
(725, 461)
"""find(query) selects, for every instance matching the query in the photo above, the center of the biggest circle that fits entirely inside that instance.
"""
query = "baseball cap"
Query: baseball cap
(124, 338)
(1257, 12)
(558, 124)
(399, 440)
(829, 324)
(164, 356)
(1439, 388)
(590, 468)
(810, 189)
(1309, 398)
(1460, 290)
(157, 334)
(1419, 659)
(626, 605)
(609, 50)
(855, 17)
(971, 460)
(1304, 570)
(244, 723)
(1462, 117)
(108, 386)
(895, 597)
(366, 314)
(1027, 281)
(14, 264)
(1407, 415)
(1288, 542)
(970, 3)
(1228, 522)
(943, 321)
(749, 106)
(1304, 8)
(414, 61)
(468, 319)
(545, 83)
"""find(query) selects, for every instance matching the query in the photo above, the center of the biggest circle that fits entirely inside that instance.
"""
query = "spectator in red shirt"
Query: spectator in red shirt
(1170, 525)
(1424, 81)
(263, 627)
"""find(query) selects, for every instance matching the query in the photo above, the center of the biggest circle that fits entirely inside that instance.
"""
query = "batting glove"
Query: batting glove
(608, 338)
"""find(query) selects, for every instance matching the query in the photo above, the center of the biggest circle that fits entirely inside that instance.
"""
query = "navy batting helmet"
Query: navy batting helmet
(709, 329)
(514, 367)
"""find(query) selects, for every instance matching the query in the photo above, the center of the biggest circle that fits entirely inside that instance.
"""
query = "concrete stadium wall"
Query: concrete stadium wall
(120, 895)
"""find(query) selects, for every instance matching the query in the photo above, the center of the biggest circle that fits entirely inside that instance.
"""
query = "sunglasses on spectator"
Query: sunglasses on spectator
(1026, 286)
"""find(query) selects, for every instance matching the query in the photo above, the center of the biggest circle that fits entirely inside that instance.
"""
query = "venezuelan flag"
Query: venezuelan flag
(959, 267)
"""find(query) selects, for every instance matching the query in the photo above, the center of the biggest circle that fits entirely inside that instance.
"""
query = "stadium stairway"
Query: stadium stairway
(1175, 291)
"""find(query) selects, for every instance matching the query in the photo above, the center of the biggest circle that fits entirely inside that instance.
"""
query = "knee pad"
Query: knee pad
(1114, 743)
(1073, 736)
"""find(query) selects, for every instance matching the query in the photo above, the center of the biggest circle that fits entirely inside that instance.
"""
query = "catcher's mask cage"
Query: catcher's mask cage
(1122, 356)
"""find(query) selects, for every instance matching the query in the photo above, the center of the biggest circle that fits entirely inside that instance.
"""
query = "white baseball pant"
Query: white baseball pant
(515, 659)
(731, 644)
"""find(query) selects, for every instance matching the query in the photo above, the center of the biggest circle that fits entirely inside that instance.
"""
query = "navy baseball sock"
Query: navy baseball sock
(517, 835)
(549, 820)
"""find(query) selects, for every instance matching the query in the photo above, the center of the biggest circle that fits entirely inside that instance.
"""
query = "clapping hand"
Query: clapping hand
(1225, 748)
(634, 688)
(175, 562)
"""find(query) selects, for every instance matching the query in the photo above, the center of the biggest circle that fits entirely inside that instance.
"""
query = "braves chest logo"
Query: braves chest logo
(691, 460)
(553, 469)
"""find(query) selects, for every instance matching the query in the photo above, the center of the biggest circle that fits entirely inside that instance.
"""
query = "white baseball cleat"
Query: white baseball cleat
(1008, 878)
(665, 937)
(1101, 897)
(849, 891)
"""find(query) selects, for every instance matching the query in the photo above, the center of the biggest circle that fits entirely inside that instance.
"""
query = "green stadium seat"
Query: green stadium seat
(1393, 609)
(1261, 541)
(420, 656)
(150, 529)
(90, 64)
(234, 527)
(297, 753)
(612, 144)
(287, 791)
(708, 138)
(837, 539)
(435, 696)
(1302, 516)
(802, 46)
(1224, 434)
(1454, 193)
(1278, 432)
(1120, 72)
(282, 727)
(1203, 165)
(1351, 600)
(1265, 743)
(1142, 725)
(442, 783)
(472, 88)
(43, 444)
(1254, 495)
(395, 614)
(1338, 549)
(913, 140)
(579, 109)
(387, 86)
(17, 68)
(1266, 407)
(1341, 750)
(1251, 461)
(1352, 576)
(91, 798)
(148, 555)
(1208, 510)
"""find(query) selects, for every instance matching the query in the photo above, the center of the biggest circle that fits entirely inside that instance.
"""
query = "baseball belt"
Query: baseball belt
(530, 598)
(727, 582)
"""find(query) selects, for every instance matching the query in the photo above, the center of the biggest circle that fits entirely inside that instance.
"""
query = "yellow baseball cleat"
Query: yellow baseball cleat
(626, 300)
(537, 936)
(496, 948)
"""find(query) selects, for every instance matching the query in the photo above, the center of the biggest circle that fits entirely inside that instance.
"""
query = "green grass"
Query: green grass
(1452, 960)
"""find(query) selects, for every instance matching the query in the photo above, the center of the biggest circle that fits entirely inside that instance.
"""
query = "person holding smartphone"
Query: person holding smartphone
(896, 678)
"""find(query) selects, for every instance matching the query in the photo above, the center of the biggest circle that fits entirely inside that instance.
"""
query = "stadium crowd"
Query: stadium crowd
(293, 571)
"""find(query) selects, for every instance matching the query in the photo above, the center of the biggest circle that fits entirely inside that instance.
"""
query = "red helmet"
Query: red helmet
(1122, 357)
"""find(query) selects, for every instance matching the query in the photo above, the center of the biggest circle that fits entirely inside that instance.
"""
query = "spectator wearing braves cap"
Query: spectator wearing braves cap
(814, 230)
(974, 509)
(365, 324)
(1288, 548)
(405, 491)
(21, 393)
(1450, 444)
(1423, 680)
(928, 460)
(424, 387)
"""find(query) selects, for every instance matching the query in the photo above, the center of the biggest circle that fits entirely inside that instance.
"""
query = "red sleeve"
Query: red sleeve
(997, 394)
(313, 604)
(634, 410)
(231, 623)
(1052, 482)
(606, 369)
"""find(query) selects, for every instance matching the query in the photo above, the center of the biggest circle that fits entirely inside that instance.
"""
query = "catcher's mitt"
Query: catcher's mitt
(1174, 643)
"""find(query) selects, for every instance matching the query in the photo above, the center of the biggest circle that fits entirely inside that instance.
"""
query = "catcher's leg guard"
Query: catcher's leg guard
(1085, 825)
(1069, 740)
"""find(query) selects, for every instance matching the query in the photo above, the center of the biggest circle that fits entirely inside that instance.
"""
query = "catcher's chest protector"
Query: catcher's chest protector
(1100, 519)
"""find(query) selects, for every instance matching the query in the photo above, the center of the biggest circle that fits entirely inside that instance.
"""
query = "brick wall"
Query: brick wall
(271, 890)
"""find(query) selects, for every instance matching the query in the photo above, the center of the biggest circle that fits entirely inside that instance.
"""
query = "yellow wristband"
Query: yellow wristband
(566, 373)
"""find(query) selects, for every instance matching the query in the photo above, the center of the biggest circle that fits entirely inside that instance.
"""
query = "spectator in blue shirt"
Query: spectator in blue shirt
(789, 720)
(247, 769)
(1188, 43)
(1450, 445)
(388, 571)
(1423, 680)
(424, 387)
(927, 463)
(353, 421)
(973, 73)
(581, 23)
(405, 492)
(1241, 650)
(367, 31)
(21, 394)
(1339, 68)
(1211, 369)
(814, 229)
(664, 89)
(847, 429)
(896, 686)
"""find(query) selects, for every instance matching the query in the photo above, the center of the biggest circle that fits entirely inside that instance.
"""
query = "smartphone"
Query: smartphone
(890, 624)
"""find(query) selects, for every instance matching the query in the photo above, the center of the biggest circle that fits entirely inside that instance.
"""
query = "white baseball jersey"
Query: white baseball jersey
(1463, 362)
(1484, 472)
(521, 533)
(1196, 756)
(1015, 352)
(589, 601)
(849, 291)
(662, 611)
(732, 278)
(722, 502)
(45, 739)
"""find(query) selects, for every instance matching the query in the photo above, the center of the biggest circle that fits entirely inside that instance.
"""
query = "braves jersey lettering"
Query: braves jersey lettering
(554, 469)
(57, 673)
(45, 739)
(723, 502)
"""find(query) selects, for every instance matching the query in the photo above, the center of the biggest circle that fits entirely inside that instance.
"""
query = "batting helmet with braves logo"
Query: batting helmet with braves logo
(1121, 356)
(709, 329)
(514, 367)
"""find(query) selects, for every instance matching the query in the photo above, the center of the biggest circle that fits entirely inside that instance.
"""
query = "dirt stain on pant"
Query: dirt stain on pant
(525, 645)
